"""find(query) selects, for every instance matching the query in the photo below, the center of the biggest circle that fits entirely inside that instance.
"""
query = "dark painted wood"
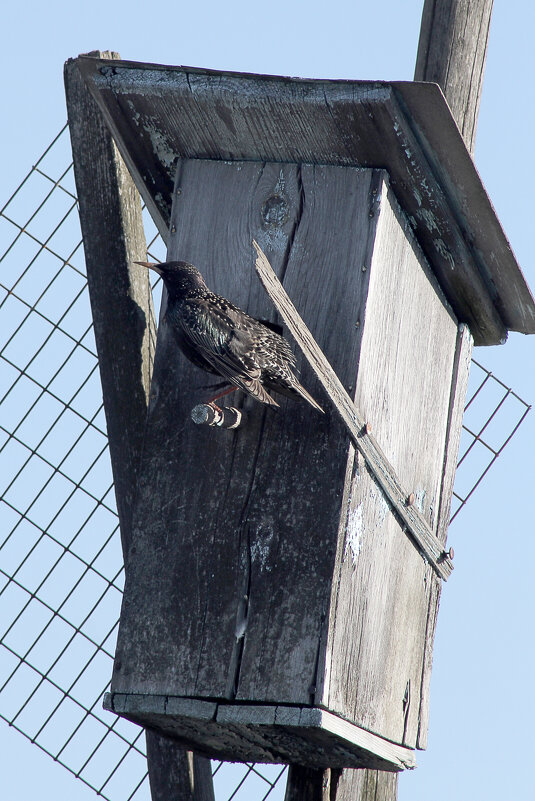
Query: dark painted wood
(451, 52)
(125, 334)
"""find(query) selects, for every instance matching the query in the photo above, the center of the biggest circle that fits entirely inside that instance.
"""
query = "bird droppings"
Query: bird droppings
(354, 531)
(165, 152)
(260, 553)
(446, 254)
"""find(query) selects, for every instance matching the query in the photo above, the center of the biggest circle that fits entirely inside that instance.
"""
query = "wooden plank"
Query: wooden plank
(366, 785)
(161, 114)
(227, 509)
(125, 333)
(119, 291)
(366, 444)
(298, 525)
(308, 784)
(451, 52)
(397, 755)
(459, 386)
(310, 735)
(188, 779)
(378, 588)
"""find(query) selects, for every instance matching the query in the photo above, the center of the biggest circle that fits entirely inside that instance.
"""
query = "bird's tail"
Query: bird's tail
(293, 389)
(307, 396)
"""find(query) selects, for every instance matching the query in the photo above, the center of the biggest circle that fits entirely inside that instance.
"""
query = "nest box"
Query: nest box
(279, 606)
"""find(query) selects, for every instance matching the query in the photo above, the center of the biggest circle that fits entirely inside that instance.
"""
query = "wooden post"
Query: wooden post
(452, 52)
(452, 47)
(125, 333)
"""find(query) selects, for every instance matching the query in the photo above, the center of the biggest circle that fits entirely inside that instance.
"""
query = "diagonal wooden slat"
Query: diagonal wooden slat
(360, 434)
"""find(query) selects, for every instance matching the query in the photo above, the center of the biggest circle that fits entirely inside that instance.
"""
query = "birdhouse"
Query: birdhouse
(283, 580)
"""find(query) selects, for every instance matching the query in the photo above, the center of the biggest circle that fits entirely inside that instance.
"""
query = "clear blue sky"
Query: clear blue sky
(482, 707)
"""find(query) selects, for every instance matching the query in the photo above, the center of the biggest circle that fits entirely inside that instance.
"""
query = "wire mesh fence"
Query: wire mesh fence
(61, 574)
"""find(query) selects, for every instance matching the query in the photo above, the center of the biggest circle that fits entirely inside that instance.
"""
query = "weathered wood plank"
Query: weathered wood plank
(119, 291)
(403, 387)
(451, 52)
(161, 114)
(459, 385)
(125, 334)
(366, 785)
(235, 525)
(188, 777)
(356, 425)
(241, 538)
(308, 784)
(265, 733)
(297, 523)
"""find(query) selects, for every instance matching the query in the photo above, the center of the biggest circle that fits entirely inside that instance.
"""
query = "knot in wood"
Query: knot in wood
(275, 211)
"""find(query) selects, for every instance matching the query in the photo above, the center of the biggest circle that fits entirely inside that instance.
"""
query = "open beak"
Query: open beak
(152, 265)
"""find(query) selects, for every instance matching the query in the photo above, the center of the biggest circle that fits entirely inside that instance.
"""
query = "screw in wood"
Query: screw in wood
(411, 499)
(368, 428)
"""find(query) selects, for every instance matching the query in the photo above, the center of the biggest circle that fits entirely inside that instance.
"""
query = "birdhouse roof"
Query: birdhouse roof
(160, 114)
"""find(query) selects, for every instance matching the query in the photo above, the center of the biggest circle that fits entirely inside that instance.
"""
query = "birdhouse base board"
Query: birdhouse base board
(234, 732)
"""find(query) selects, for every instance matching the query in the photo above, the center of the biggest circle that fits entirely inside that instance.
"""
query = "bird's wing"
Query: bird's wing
(222, 334)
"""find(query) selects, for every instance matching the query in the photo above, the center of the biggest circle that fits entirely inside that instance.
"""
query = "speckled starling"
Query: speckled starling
(219, 337)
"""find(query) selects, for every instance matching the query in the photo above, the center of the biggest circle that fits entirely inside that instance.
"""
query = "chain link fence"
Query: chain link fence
(61, 574)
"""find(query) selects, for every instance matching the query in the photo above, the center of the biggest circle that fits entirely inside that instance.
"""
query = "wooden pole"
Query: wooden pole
(451, 52)
(125, 333)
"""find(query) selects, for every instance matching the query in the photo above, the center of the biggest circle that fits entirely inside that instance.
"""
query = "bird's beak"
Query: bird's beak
(152, 265)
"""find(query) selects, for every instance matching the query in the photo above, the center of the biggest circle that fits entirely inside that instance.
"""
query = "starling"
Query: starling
(219, 337)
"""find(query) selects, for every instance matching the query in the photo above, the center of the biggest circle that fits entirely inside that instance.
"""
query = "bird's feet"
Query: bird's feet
(226, 391)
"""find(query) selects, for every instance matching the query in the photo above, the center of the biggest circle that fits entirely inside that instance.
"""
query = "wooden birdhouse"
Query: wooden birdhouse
(283, 579)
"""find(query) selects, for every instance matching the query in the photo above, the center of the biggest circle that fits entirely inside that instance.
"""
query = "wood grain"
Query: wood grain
(162, 114)
(227, 514)
(264, 733)
(125, 337)
(246, 579)
(451, 52)
(356, 423)
(119, 291)
(382, 584)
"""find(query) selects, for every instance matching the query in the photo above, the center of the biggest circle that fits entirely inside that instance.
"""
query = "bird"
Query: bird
(221, 338)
